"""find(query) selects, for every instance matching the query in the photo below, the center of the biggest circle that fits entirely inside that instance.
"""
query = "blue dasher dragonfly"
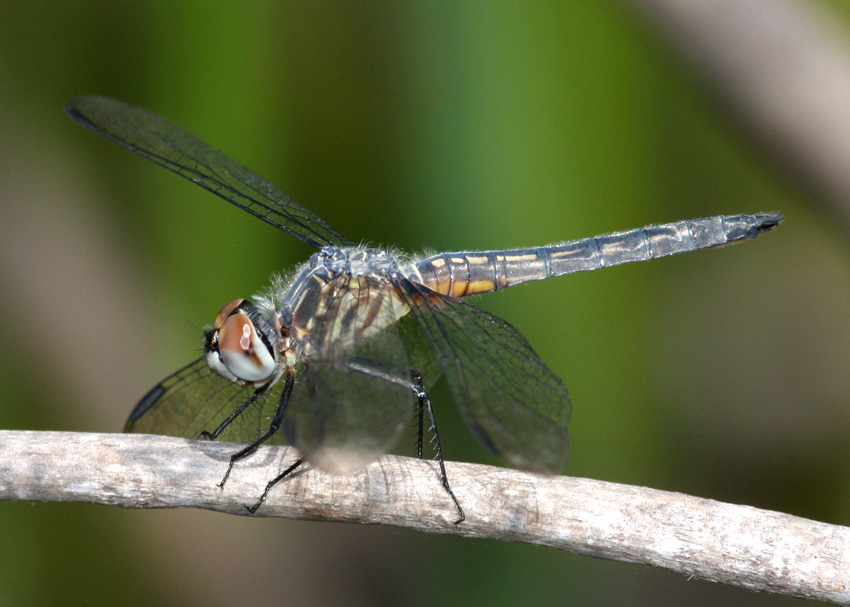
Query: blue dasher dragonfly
(335, 356)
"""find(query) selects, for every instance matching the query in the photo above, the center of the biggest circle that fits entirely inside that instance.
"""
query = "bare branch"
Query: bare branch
(784, 68)
(737, 545)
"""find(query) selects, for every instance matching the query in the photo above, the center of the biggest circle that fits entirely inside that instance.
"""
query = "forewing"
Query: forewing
(510, 400)
(195, 400)
(168, 145)
(355, 395)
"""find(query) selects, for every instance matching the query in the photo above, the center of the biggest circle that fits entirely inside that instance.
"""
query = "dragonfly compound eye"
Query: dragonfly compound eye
(226, 311)
(243, 352)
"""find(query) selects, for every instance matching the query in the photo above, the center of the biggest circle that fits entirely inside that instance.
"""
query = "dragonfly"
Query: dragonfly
(333, 357)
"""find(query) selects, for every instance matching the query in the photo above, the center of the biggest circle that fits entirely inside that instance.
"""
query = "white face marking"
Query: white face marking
(215, 363)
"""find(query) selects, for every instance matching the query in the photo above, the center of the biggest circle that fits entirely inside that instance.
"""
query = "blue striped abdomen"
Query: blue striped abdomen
(468, 272)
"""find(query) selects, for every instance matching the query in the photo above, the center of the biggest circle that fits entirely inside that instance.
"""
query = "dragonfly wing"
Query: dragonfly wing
(169, 145)
(510, 400)
(342, 420)
(195, 400)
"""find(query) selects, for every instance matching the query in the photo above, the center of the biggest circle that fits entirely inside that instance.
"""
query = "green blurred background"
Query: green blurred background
(445, 125)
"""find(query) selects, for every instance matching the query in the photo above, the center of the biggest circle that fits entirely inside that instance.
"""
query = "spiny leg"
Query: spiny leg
(370, 368)
(420, 414)
(272, 483)
(276, 422)
(425, 405)
(236, 413)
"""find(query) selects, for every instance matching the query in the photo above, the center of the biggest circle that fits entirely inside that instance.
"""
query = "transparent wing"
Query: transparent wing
(510, 400)
(355, 395)
(168, 145)
(420, 353)
(195, 400)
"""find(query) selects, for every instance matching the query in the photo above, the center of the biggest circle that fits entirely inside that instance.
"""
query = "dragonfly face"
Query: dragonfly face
(335, 358)
(242, 346)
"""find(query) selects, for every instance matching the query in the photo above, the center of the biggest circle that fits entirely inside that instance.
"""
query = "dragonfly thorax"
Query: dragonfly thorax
(340, 297)
(333, 261)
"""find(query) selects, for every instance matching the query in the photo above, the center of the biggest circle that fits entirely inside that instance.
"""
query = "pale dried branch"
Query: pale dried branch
(737, 545)
(783, 67)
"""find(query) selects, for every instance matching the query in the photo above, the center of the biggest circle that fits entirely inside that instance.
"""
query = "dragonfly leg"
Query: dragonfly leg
(276, 422)
(236, 413)
(372, 368)
(420, 410)
(425, 406)
(272, 483)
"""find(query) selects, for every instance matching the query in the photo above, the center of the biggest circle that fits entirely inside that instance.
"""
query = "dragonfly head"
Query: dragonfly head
(238, 345)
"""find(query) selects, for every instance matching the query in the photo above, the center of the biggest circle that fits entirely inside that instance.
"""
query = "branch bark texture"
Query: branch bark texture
(737, 545)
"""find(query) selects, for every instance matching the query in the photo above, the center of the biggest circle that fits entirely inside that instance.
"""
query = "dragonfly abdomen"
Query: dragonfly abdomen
(468, 272)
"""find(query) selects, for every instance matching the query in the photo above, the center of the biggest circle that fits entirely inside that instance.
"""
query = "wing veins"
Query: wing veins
(176, 149)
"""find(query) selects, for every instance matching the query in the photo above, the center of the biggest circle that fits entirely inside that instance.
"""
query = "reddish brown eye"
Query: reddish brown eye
(225, 312)
(235, 334)
(242, 351)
